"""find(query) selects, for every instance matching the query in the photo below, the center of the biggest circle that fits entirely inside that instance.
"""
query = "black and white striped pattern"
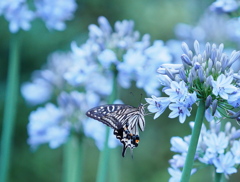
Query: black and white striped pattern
(124, 119)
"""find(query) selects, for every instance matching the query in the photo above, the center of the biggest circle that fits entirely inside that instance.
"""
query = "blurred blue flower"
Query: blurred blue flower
(224, 6)
(225, 164)
(119, 49)
(234, 99)
(216, 147)
(54, 13)
(235, 150)
(107, 57)
(37, 92)
(45, 127)
(17, 13)
(49, 80)
(178, 160)
(176, 174)
(216, 143)
(180, 145)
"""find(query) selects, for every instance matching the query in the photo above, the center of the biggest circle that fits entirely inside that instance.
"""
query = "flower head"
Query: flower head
(18, 14)
(215, 147)
(55, 12)
(206, 76)
(119, 49)
(224, 6)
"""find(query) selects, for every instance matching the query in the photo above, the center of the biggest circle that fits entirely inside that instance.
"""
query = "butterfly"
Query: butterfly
(124, 119)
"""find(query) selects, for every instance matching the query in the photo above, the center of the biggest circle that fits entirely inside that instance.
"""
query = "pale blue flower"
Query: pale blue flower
(55, 12)
(176, 174)
(105, 88)
(42, 123)
(222, 86)
(224, 6)
(79, 72)
(209, 115)
(158, 53)
(157, 105)
(216, 147)
(131, 60)
(37, 92)
(179, 109)
(177, 92)
(225, 164)
(236, 151)
(178, 160)
(107, 57)
(234, 99)
(18, 15)
(57, 135)
(208, 157)
(216, 143)
(179, 145)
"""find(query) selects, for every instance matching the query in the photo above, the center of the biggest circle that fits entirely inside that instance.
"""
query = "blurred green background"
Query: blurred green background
(150, 162)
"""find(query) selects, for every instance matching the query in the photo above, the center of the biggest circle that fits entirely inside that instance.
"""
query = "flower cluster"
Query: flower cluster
(53, 124)
(224, 6)
(17, 13)
(121, 51)
(53, 13)
(72, 80)
(216, 147)
(206, 76)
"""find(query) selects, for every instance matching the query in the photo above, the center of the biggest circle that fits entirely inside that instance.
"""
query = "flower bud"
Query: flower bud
(208, 101)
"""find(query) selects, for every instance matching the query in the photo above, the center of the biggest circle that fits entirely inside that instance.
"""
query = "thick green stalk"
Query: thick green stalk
(193, 142)
(104, 155)
(10, 108)
(73, 156)
(218, 177)
(114, 175)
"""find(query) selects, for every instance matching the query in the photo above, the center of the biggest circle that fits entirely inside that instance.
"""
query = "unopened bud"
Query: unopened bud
(208, 101)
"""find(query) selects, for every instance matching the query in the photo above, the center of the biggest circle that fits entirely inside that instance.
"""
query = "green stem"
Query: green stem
(114, 175)
(218, 177)
(73, 156)
(104, 155)
(10, 108)
(193, 142)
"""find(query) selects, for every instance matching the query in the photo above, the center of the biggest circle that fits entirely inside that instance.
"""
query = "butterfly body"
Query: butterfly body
(124, 119)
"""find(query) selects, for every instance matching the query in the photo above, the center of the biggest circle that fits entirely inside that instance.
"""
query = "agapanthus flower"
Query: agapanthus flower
(224, 6)
(53, 124)
(18, 14)
(206, 76)
(54, 13)
(120, 50)
(216, 147)
(49, 80)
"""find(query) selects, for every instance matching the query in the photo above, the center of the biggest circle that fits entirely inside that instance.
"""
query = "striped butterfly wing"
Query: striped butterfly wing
(124, 119)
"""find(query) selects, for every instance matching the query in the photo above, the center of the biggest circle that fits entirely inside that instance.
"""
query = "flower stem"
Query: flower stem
(218, 177)
(73, 156)
(193, 142)
(104, 155)
(10, 108)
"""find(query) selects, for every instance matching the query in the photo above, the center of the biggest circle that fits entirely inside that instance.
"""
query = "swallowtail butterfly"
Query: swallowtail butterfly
(124, 119)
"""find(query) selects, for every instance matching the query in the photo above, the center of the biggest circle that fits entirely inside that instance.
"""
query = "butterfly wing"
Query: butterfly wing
(113, 115)
(123, 119)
